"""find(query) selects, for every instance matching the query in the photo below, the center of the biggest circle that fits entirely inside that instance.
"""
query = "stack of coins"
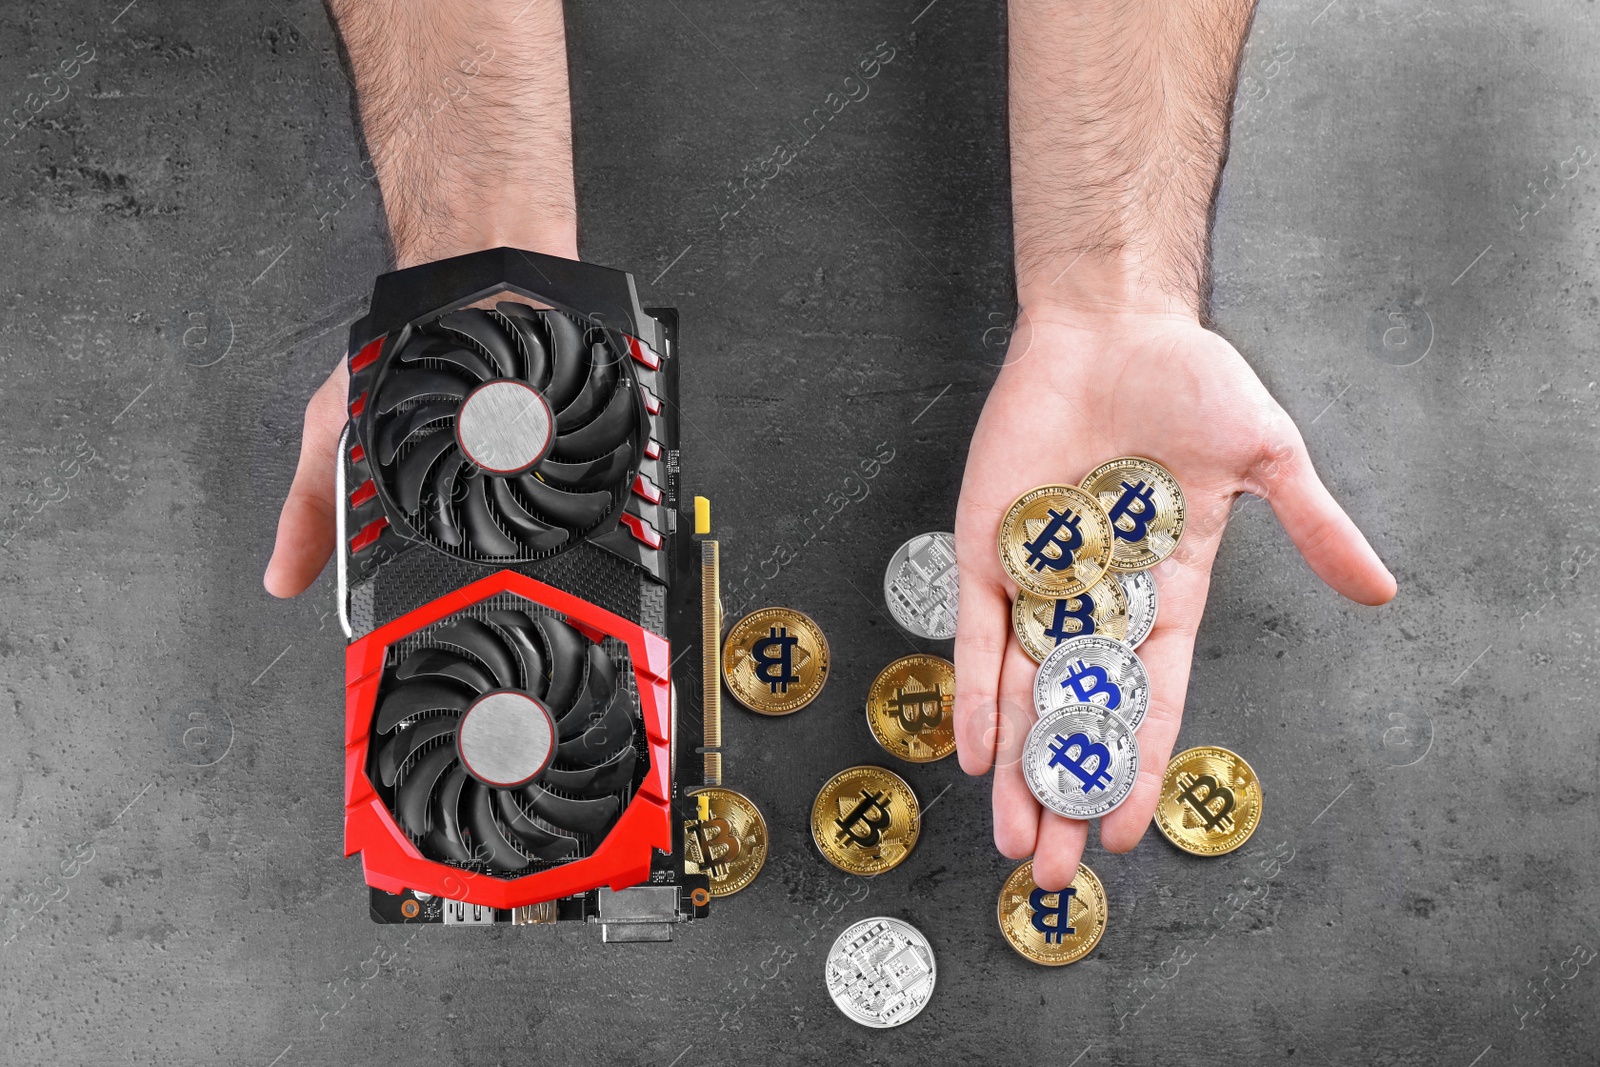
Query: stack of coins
(1078, 554)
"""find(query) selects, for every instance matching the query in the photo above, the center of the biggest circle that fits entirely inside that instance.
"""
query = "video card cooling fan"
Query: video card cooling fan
(514, 588)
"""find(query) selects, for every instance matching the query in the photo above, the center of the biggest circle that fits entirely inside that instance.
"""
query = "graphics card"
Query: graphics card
(515, 590)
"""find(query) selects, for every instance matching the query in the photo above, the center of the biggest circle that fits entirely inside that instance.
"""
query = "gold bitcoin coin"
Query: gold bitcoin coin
(909, 708)
(1054, 929)
(866, 820)
(1210, 801)
(1043, 623)
(775, 661)
(1055, 541)
(726, 841)
(1145, 505)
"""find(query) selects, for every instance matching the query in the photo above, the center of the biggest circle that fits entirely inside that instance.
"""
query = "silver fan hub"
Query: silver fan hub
(506, 739)
(504, 426)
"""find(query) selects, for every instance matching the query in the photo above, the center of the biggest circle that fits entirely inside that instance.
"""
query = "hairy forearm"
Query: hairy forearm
(465, 109)
(1119, 124)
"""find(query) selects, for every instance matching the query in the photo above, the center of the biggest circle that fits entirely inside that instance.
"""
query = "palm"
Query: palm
(1068, 399)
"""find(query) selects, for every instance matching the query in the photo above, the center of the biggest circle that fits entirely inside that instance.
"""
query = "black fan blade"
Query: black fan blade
(442, 491)
(413, 383)
(440, 664)
(446, 836)
(567, 664)
(518, 630)
(571, 360)
(393, 756)
(474, 637)
(451, 351)
(578, 510)
(413, 698)
(479, 328)
(404, 426)
(482, 529)
(411, 798)
(599, 473)
(596, 392)
(579, 816)
(489, 841)
(599, 690)
(602, 435)
(601, 742)
(610, 777)
(527, 326)
(527, 529)
(414, 468)
(535, 838)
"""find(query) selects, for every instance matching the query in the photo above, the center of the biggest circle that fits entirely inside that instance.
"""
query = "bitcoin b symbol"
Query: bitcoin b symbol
(871, 815)
(1098, 778)
(1137, 493)
(774, 655)
(1053, 932)
(1079, 609)
(1201, 805)
(720, 834)
(1052, 536)
(1085, 681)
(919, 711)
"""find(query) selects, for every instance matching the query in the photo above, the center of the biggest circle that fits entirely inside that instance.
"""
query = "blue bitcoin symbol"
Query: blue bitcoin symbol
(1086, 681)
(772, 655)
(1083, 616)
(1053, 932)
(1054, 526)
(1098, 778)
(1137, 493)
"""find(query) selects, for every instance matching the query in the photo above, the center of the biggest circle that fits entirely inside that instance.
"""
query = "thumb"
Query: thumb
(306, 525)
(1326, 537)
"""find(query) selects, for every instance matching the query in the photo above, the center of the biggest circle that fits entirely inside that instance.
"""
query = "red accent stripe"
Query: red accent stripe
(644, 355)
(652, 403)
(359, 406)
(364, 358)
(652, 450)
(369, 533)
(641, 485)
(642, 530)
(357, 453)
(364, 492)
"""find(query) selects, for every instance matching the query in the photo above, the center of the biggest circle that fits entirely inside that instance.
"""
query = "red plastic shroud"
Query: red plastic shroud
(392, 863)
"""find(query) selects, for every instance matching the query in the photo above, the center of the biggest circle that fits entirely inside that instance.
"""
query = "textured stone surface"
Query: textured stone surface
(188, 233)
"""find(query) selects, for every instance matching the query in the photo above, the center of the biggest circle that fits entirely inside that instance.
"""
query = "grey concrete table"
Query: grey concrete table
(189, 231)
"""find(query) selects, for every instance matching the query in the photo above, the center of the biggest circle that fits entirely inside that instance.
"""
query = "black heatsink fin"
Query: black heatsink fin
(417, 382)
(416, 697)
(480, 328)
(518, 630)
(567, 656)
(578, 816)
(433, 662)
(534, 838)
(414, 792)
(612, 777)
(601, 742)
(479, 640)
(487, 838)
(406, 425)
(482, 529)
(596, 391)
(527, 529)
(605, 433)
(600, 689)
(445, 838)
(594, 474)
(570, 509)
(443, 487)
(528, 327)
(449, 352)
(400, 747)
(414, 467)
(571, 361)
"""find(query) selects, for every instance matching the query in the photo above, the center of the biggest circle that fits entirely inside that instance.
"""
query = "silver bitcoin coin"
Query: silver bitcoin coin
(920, 586)
(1140, 589)
(1081, 761)
(880, 972)
(1094, 669)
